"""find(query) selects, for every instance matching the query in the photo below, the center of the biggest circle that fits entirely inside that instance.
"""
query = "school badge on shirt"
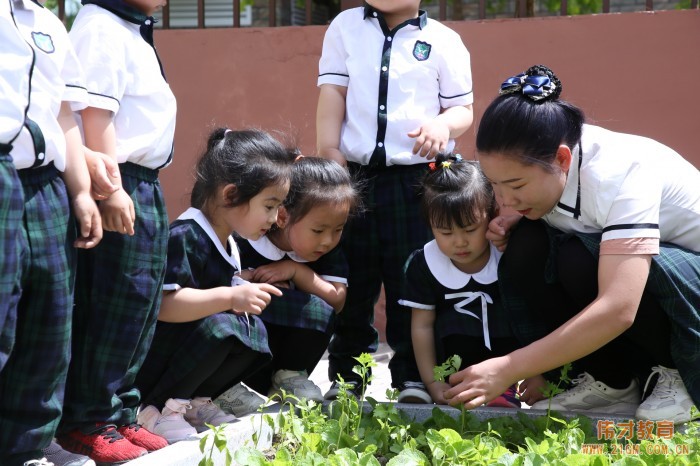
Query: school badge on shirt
(43, 42)
(421, 50)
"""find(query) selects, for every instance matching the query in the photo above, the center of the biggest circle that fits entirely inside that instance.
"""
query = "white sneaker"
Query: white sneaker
(169, 424)
(295, 383)
(414, 392)
(204, 412)
(669, 401)
(239, 400)
(589, 395)
(39, 462)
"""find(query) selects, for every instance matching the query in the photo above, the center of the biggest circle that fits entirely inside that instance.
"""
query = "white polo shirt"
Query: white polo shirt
(123, 75)
(396, 80)
(17, 60)
(57, 77)
(630, 187)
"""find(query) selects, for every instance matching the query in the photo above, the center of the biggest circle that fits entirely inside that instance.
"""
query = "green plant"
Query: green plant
(218, 441)
(551, 390)
(351, 432)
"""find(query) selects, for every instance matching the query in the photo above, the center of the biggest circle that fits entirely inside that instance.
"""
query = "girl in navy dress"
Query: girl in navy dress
(301, 255)
(452, 282)
(209, 335)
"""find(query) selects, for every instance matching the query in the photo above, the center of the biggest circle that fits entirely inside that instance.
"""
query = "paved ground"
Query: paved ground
(381, 377)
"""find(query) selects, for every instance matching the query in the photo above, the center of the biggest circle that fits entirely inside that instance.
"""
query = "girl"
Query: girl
(209, 336)
(300, 255)
(452, 282)
(607, 248)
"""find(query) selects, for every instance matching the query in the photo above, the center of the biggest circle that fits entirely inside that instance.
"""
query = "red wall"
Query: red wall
(631, 72)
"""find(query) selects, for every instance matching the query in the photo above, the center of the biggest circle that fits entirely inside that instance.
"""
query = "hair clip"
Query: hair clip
(458, 158)
(431, 166)
(446, 164)
(535, 87)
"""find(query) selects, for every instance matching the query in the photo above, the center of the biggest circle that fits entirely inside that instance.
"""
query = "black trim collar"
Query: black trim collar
(121, 9)
(570, 202)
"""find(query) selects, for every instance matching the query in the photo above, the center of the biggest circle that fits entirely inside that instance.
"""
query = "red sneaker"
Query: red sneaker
(139, 436)
(509, 399)
(101, 443)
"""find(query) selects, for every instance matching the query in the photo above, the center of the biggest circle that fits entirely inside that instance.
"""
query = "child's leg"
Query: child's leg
(401, 231)
(296, 349)
(116, 309)
(354, 333)
(33, 380)
(11, 212)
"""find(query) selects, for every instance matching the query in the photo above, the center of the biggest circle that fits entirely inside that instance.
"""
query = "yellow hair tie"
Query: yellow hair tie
(446, 164)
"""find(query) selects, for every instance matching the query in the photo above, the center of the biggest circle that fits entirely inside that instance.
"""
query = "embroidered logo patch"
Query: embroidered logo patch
(43, 42)
(421, 50)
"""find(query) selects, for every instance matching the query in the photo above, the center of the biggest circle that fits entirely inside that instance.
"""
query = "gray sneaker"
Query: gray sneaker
(57, 456)
(239, 401)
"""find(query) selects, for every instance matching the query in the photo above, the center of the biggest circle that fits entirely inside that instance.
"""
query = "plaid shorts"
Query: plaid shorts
(33, 380)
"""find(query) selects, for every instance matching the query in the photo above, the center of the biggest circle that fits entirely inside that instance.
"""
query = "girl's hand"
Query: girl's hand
(431, 138)
(479, 384)
(118, 213)
(499, 229)
(437, 391)
(530, 389)
(247, 274)
(252, 297)
(281, 271)
(89, 222)
(104, 174)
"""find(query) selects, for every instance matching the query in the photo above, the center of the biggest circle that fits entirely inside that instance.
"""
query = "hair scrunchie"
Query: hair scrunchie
(537, 83)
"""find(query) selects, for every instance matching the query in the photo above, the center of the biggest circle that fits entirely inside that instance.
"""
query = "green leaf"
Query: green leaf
(246, 456)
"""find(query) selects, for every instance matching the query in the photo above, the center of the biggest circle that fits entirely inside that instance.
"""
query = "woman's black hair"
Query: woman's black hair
(250, 159)
(456, 192)
(316, 181)
(529, 126)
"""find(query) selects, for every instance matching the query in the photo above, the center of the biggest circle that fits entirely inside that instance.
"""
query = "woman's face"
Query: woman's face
(529, 189)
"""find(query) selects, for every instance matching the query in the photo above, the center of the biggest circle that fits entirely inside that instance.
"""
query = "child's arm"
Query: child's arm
(433, 136)
(117, 211)
(77, 181)
(423, 338)
(190, 304)
(304, 279)
(330, 114)
(103, 169)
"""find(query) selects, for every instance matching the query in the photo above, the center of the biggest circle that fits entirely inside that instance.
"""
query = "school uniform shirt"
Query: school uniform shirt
(397, 80)
(197, 259)
(57, 77)
(465, 304)
(630, 189)
(296, 308)
(124, 76)
(17, 59)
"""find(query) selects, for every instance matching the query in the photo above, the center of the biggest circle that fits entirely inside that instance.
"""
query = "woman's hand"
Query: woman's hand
(499, 229)
(531, 389)
(480, 383)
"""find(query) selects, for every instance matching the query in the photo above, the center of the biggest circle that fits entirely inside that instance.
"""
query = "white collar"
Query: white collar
(267, 249)
(450, 276)
(195, 214)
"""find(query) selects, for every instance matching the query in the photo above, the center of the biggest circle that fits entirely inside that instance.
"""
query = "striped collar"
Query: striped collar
(570, 202)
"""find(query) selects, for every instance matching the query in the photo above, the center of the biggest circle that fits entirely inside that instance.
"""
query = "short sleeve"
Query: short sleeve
(418, 290)
(456, 87)
(103, 59)
(72, 73)
(332, 267)
(332, 68)
(634, 211)
(188, 255)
